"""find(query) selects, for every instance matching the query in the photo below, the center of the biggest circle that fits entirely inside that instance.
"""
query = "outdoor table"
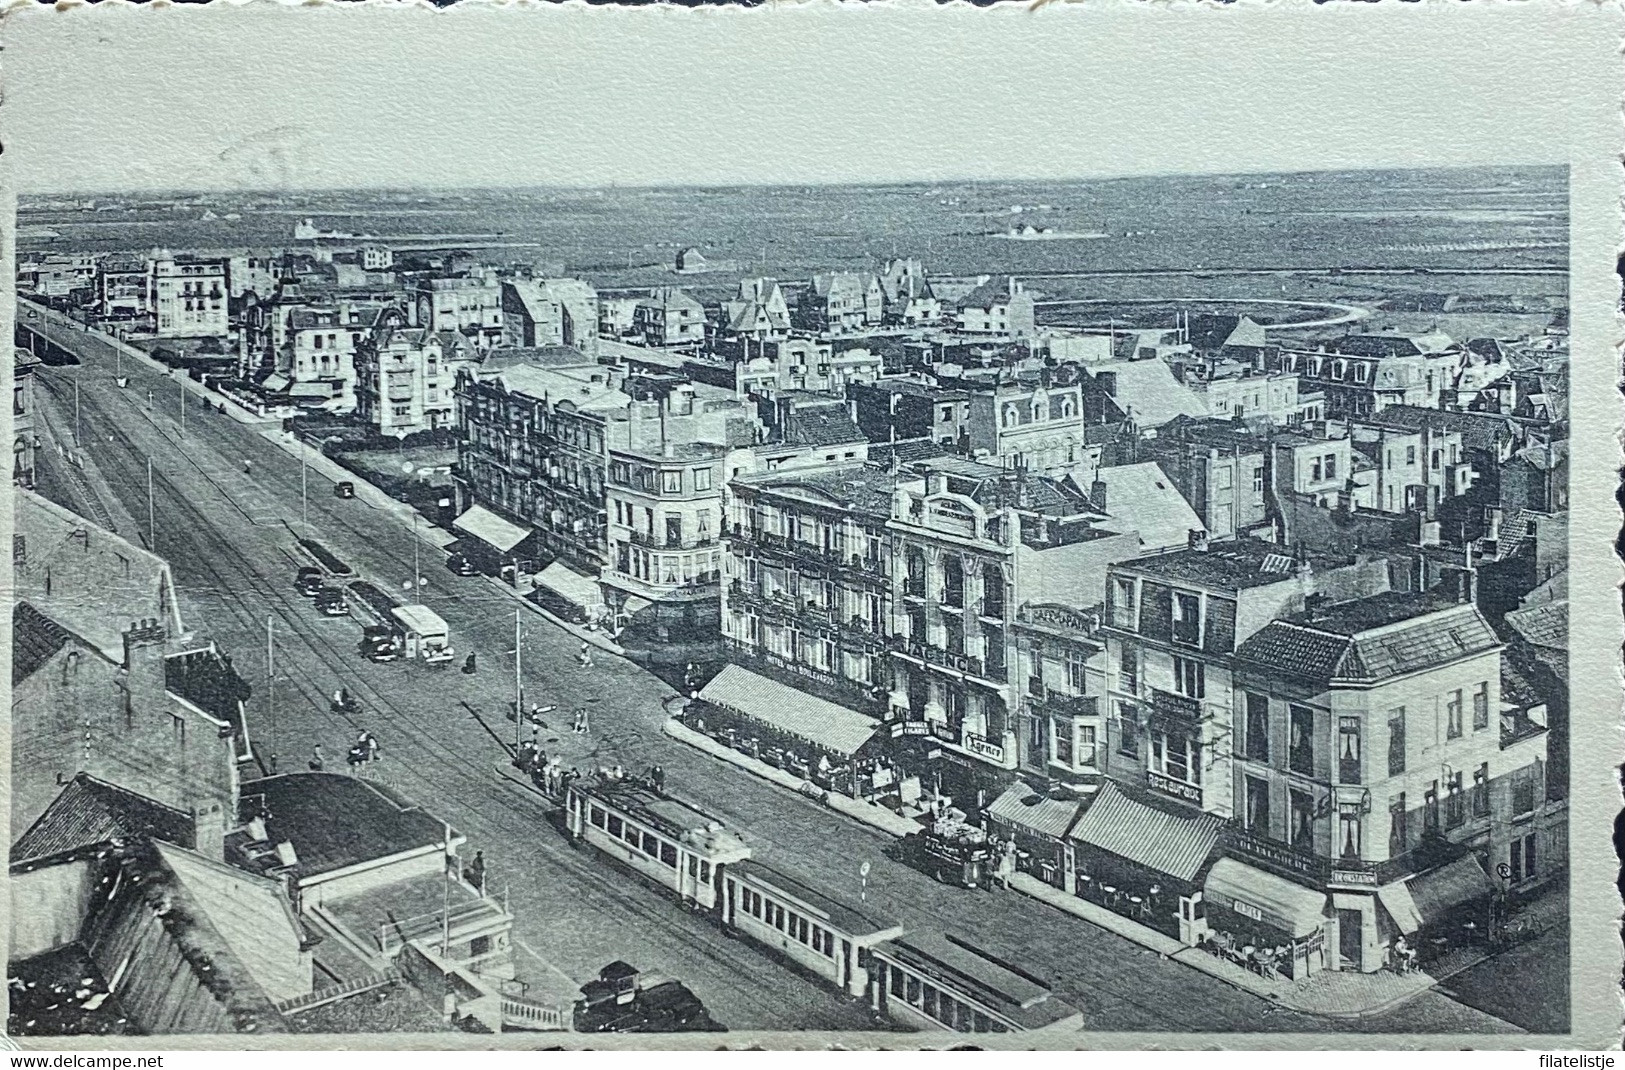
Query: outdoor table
(1136, 903)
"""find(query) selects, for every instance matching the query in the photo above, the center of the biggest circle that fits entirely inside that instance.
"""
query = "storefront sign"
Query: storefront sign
(910, 728)
(1247, 910)
(1363, 878)
(1064, 618)
(977, 745)
(1178, 789)
(944, 730)
(1246, 843)
(1175, 707)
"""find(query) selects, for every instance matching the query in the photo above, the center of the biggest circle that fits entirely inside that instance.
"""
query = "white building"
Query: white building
(189, 297)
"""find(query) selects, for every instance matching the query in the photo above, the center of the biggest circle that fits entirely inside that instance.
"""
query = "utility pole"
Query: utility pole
(304, 497)
(518, 686)
(270, 686)
(152, 524)
(182, 385)
(445, 903)
(76, 426)
(417, 575)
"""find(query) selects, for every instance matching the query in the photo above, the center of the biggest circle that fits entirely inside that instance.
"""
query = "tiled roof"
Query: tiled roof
(335, 821)
(864, 488)
(206, 678)
(1178, 844)
(990, 294)
(91, 812)
(1544, 625)
(822, 425)
(906, 451)
(1479, 430)
(35, 639)
(1370, 639)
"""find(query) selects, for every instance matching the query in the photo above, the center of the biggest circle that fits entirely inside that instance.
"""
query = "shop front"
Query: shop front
(1441, 909)
(495, 545)
(1263, 922)
(828, 745)
(1143, 859)
(1035, 825)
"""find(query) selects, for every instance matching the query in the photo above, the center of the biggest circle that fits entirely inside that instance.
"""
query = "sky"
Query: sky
(268, 96)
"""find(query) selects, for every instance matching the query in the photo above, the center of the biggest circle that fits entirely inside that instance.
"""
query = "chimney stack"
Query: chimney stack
(1097, 494)
(1197, 539)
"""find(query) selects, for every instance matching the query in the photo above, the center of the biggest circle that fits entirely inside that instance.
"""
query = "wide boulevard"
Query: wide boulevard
(230, 535)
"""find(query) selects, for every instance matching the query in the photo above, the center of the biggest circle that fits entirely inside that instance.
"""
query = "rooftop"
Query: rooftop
(35, 640)
(92, 813)
(1372, 639)
(1238, 565)
(849, 920)
(1546, 624)
(303, 809)
(63, 993)
(862, 488)
(999, 985)
(1479, 430)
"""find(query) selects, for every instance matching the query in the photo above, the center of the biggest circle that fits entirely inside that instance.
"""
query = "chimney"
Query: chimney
(1097, 494)
(1197, 540)
(1313, 604)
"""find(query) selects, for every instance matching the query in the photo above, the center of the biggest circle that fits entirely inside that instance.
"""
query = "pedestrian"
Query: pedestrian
(476, 871)
(617, 773)
(316, 759)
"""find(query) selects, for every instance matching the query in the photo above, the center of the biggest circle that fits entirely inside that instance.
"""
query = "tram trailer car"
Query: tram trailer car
(670, 843)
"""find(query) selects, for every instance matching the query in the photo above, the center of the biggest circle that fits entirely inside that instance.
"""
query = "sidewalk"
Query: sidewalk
(870, 814)
(1329, 993)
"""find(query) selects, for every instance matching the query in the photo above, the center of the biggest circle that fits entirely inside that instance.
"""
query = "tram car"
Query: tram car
(670, 843)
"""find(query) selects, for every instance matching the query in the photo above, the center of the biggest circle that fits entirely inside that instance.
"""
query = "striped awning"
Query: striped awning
(1176, 844)
(1287, 905)
(1023, 808)
(790, 710)
(1439, 891)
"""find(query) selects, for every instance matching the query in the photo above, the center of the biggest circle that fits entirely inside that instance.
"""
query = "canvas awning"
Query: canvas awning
(1396, 899)
(823, 724)
(1175, 844)
(1439, 891)
(1023, 808)
(482, 524)
(1250, 892)
(570, 585)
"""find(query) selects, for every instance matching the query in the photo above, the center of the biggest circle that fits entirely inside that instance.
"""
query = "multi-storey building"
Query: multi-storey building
(320, 344)
(259, 275)
(1375, 765)
(471, 304)
(188, 296)
(669, 317)
(1219, 467)
(121, 287)
(907, 299)
(1365, 373)
(531, 446)
(1029, 421)
(1062, 690)
(1172, 626)
(903, 410)
(1413, 467)
(550, 312)
(972, 543)
(840, 302)
(1000, 306)
(1231, 390)
(24, 441)
(807, 597)
(757, 313)
(769, 368)
(403, 381)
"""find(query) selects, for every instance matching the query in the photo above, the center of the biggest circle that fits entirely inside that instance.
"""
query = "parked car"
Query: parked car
(310, 581)
(378, 643)
(344, 489)
(461, 565)
(332, 603)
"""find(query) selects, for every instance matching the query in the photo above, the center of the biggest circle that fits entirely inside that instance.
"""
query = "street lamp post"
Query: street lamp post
(518, 685)
(304, 497)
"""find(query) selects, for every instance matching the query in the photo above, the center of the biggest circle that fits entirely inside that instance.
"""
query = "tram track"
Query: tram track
(472, 782)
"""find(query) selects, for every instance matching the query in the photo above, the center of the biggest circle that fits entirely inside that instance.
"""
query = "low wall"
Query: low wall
(57, 898)
(436, 978)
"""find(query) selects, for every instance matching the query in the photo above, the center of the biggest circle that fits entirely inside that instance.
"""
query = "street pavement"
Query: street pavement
(230, 537)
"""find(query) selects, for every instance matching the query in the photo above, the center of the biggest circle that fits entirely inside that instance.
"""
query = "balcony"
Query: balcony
(660, 542)
(914, 587)
(1056, 704)
(1292, 862)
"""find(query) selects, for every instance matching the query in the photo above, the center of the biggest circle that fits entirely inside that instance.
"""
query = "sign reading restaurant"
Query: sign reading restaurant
(1178, 789)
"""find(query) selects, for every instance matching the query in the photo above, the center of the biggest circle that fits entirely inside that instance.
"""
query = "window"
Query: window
(1187, 619)
(1302, 831)
(1063, 741)
(1529, 856)
(1258, 806)
(1331, 466)
(1410, 454)
(1481, 706)
(1257, 730)
(1437, 457)
(1128, 736)
(1348, 750)
(1258, 480)
(1455, 803)
(1396, 741)
(1481, 790)
(1452, 720)
(1176, 755)
(596, 816)
(1075, 672)
(1123, 609)
(668, 854)
(1301, 742)
(1348, 829)
(1086, 747)
(614, 825)
(1523, 792)
(1430, 810)
(1396, 826)
(1314, 470)
(705, 873)
(1128, 670)
(671, 482)
(702, 479)
(1189, 679)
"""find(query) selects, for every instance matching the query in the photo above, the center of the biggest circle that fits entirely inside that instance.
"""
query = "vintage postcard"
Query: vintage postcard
(886, 526)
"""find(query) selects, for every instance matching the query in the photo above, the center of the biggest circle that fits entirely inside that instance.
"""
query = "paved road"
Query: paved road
(230, 538)
(1527, 985)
